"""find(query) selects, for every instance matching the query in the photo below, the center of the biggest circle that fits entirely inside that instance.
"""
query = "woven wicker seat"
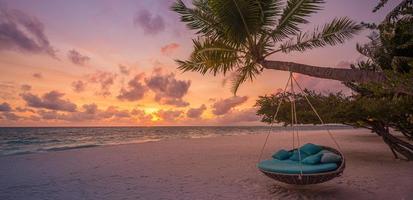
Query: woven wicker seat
(306, 179)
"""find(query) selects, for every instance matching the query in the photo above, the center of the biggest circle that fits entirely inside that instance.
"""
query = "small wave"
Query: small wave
(71, 147)
(29, 141)
(12, 153)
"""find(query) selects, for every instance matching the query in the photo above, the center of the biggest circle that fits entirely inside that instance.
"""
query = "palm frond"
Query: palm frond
(400, 9)
(333, 33)
(248, 71)
(210, 56)
(199, 18)
(241, 19)
(294, 14)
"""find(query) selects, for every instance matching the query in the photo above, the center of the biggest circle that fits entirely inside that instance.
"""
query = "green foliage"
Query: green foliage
(267, 106)
(237, 35)
(358, 111)
(333, 33)
(377, 106)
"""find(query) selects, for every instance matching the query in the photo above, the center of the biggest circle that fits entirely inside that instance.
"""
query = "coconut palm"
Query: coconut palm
(239, 35)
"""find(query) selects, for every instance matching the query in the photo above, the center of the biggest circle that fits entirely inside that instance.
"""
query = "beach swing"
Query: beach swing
(294, 171)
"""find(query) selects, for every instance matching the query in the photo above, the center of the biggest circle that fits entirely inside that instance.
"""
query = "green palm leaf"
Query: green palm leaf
(238, 35)
(248, 71)
(199, 18)
(212, 56)
(294, 14)
(333, 33)
(241, 19)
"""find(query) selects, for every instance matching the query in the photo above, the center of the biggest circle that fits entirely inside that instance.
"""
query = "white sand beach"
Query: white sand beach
(207, 168)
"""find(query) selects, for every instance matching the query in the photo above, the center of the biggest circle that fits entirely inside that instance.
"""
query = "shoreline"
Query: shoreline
(201, 168)
(144, 139)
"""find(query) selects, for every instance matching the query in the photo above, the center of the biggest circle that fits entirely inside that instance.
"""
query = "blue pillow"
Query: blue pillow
(330, 157)
(296, 155)
(311, 149)
(313, 159)
(282, 154)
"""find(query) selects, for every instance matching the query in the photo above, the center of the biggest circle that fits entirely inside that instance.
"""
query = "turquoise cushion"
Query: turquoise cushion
(296, 155)
(282, 154)
(293, 167)
(311, 149)
(330, 157)
(313, 159)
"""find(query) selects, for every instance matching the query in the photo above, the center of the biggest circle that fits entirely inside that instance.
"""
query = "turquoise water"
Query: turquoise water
(34, 140)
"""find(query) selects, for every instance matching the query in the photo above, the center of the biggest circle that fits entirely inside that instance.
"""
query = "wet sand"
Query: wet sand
(206, 168)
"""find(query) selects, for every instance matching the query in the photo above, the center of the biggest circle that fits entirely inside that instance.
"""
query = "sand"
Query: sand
(206, 168)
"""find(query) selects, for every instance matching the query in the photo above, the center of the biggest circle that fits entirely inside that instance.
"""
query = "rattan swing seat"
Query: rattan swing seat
(308, 178)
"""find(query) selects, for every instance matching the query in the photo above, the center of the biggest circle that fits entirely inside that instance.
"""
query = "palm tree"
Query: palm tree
(239, 35)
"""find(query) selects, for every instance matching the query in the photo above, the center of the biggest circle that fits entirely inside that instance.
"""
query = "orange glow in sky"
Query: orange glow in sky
(104, 63)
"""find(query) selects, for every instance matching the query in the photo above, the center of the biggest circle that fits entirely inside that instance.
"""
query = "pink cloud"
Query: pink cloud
(168, 89)
(104, 79)
(78, 86)
(196, 112)
(26, 87)
(169, 49)
(22, 32)
(151, 24)
(76, 58)
(5, 107)
(51, 100)
(169, 115)
(135, 91)
(38, 75)
(236, 116)
(223, 106)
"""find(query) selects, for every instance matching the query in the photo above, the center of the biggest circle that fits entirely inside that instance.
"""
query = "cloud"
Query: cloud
(169, 49)
(149, 23)
(223, 106)
(135, 91)
(19, 109)
(124, 70)
(38, 75)
(104, 79)
(5, 107)
(22, 32)
(89, 112)
(51, 100)
(141, 115)
(77, 58)
(78, 86)
(112, 111)
(246, 115)
(196, 112)
(10, 116)
(8, 90)
(26, 87)
(169, 115)
(167, 89)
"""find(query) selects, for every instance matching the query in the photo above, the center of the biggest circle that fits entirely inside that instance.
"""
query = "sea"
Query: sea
(25, 140)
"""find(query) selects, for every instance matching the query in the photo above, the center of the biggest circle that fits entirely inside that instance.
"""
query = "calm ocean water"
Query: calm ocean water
(33, 140)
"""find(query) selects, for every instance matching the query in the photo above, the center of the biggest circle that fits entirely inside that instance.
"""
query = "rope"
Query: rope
(272, 121)
(295, 121)
(315, 111)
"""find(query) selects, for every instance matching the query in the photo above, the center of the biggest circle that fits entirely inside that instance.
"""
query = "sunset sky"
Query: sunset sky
(111, 62)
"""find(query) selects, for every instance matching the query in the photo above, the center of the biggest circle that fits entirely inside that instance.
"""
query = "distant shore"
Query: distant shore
(205, 168)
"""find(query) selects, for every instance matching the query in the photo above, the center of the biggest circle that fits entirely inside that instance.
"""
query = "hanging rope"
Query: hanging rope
(272, 120)
(315, 111)
(295, 121)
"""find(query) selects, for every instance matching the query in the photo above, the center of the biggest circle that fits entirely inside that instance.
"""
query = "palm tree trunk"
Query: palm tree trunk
(340, 74)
